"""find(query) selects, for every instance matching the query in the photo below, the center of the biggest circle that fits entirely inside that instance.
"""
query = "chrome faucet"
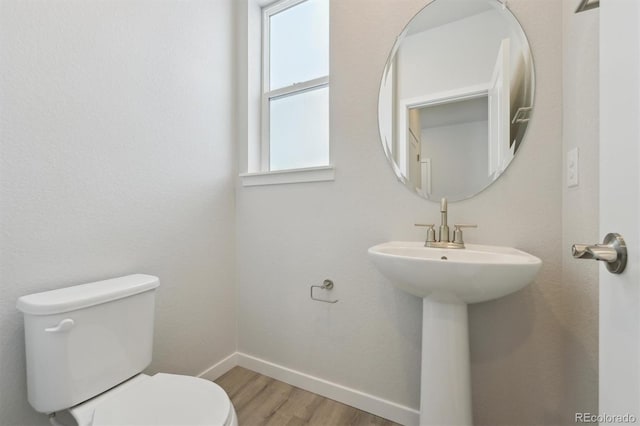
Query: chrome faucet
(443, 240)
(444, 228)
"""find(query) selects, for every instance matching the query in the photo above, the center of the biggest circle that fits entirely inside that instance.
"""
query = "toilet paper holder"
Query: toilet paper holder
(326, 285)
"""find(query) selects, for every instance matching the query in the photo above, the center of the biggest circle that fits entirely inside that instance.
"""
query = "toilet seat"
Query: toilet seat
(160, 400)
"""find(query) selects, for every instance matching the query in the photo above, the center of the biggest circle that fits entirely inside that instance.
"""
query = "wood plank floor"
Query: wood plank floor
(260, 400)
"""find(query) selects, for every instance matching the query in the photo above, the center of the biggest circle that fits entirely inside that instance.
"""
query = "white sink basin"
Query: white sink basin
(447, 280)
(475, 274)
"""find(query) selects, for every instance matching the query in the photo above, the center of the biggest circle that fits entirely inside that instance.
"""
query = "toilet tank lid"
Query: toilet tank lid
(82, 296)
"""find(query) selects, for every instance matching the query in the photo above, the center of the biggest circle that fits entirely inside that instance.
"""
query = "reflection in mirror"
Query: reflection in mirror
(456, 97)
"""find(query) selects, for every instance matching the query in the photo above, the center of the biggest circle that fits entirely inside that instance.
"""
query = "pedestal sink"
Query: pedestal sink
(447, 280)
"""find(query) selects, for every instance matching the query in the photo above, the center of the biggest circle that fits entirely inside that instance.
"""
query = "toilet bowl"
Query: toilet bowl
(86, 348)
(162, 399)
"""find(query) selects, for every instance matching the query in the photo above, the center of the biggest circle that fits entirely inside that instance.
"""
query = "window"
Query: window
(295, 85)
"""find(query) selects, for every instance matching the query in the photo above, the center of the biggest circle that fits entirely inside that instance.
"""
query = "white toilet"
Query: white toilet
(86, 346)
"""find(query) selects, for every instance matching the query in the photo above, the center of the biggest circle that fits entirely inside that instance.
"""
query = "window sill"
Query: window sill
(279, 177)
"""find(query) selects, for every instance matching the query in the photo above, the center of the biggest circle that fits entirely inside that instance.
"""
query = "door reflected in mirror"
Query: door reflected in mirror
(456, 97)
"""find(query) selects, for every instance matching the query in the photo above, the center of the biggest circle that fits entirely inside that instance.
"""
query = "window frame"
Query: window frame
(267, 94)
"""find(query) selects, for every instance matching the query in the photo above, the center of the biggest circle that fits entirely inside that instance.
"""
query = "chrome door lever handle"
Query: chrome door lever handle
(613, 251)
(596, 252)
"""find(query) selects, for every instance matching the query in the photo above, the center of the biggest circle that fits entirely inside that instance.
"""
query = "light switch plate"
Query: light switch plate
(572, 168)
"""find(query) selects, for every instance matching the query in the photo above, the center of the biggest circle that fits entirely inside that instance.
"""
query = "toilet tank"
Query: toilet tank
(85, 339)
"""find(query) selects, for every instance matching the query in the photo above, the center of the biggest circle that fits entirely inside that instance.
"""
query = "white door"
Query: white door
(619, 386)
(499, 110)
(414, 145)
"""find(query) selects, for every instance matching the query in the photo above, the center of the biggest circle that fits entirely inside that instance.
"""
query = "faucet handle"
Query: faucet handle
(431, 232)
(457, 232)
(443, 205)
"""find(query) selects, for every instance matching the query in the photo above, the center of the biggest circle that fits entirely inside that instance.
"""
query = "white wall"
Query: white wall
(116, 157)
(461, 146)
(581, 128)
(475, 41)
(291, 236)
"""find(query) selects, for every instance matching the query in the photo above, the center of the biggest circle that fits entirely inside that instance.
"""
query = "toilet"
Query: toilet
(86, 347)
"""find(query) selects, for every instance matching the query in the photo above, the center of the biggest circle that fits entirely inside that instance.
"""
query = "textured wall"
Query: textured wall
(115, 158)
(303, 233)
(580, 205)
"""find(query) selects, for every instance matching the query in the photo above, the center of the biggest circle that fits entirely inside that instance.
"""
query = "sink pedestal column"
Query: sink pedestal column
(445, 390)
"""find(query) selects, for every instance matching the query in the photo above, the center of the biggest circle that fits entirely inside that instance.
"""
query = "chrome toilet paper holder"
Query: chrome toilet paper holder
(326, 285)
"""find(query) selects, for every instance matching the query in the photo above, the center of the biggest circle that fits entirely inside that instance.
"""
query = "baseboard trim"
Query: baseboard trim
(355, 398)
(360, 400)
(217, 370)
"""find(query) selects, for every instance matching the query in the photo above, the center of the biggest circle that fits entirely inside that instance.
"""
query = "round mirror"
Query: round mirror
(456, 97)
